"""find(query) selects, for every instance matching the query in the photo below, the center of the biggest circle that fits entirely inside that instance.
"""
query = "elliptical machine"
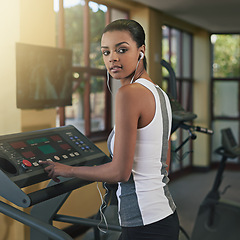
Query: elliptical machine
(219, 219)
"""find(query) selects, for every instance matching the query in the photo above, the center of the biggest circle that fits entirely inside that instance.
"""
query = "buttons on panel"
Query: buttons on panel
(26, 163)
(79, 143)
(35, 164)
(57, 158)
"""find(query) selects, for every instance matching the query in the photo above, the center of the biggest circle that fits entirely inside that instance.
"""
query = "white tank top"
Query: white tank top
(145, 198)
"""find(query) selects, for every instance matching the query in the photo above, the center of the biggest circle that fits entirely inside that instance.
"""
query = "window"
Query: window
(79, 27)
(177, 50)
(225, 84)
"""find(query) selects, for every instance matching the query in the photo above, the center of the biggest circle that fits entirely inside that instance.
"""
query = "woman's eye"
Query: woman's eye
(122, 50)
(105, 53)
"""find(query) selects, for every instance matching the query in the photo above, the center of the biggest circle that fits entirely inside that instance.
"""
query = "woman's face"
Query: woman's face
(120, 53)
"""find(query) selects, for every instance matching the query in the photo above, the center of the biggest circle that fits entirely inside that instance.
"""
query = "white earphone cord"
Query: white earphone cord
(135, 71)
(108, 78)
(103, 205)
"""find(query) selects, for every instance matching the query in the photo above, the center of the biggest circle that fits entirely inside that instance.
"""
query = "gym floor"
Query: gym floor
(189, 191)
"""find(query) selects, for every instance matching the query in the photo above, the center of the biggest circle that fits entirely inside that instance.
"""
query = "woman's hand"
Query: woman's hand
(55, 169)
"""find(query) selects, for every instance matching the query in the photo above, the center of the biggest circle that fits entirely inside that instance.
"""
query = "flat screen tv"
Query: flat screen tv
(44, 76)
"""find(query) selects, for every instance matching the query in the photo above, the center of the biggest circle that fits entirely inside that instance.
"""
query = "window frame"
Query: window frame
(88, 72)
(213, 80)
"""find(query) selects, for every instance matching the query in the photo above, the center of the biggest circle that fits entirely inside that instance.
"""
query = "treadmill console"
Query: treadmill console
(20, 153)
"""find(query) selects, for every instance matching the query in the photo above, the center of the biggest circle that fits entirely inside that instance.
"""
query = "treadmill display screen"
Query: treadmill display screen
(43, 148)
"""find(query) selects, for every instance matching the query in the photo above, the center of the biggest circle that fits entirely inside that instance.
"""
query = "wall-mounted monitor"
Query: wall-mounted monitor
(44, 76)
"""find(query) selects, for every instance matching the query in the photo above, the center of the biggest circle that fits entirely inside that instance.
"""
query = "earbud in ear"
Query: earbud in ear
(141, 55)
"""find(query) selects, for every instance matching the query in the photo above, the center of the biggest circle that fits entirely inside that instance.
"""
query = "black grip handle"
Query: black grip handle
(203, 130)
(56, 190)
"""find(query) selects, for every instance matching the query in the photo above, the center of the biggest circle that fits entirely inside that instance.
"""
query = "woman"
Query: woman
(138, 142)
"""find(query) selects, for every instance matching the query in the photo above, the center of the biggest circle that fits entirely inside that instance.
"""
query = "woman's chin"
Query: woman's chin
(116, 76)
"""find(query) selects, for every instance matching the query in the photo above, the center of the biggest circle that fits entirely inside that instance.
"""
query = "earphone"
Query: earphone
(141, 55)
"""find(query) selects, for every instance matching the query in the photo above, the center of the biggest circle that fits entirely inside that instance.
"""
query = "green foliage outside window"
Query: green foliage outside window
(226, 52)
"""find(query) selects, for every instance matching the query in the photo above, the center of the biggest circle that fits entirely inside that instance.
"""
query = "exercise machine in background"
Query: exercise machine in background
(181, 118)
(179, 114)
(218, 219)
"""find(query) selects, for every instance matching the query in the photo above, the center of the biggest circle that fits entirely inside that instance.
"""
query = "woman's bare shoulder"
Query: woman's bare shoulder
(131, 91)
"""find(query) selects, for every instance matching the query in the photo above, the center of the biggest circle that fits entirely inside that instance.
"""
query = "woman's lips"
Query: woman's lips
(115, 69)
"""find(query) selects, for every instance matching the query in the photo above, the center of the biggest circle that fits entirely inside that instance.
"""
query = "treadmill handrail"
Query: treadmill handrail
(67, 185)
(16, 195)
(12, 192)
(51, 231)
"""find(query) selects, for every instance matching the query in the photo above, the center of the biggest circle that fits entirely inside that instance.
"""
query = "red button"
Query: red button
(27, 163)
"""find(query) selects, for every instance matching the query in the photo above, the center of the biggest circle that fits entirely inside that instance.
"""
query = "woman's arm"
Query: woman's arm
(119, 169)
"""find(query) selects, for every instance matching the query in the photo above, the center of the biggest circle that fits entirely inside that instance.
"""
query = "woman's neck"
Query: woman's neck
(134, 76)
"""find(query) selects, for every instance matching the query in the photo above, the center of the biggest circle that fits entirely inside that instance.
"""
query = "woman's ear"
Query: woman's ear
(142, 51)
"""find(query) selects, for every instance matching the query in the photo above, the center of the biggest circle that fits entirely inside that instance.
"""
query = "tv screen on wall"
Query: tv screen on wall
(44, 76)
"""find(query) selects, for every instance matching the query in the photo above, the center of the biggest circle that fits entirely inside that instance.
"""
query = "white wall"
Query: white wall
(201, 94)
(10, 33)
(29, 21)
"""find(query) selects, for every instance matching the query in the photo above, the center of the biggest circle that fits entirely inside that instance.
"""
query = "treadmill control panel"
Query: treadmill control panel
(20, 153)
